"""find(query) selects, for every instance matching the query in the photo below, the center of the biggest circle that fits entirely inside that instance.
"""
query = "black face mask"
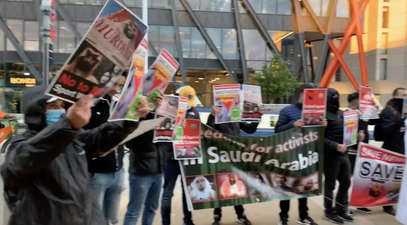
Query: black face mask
(398, 103)
(333, 104)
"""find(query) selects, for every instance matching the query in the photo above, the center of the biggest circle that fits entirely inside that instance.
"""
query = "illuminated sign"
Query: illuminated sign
(23, 81)
(48, 6)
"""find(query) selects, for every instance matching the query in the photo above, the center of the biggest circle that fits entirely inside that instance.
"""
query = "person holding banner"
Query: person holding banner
(231, 129)
(172, 169)
(46, 172)
(147, 164)
(106, 173)
(289, 118)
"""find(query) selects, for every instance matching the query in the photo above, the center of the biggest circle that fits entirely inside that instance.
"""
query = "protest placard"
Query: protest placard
(314, 106)
(350, 127)
(189, 145)
(228, 97)
(252, 102)
(367, 104)
(104, 52)
(182, 110)
(168, 110)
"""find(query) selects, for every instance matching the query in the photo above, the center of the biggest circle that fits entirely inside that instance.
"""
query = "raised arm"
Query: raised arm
(28, 156)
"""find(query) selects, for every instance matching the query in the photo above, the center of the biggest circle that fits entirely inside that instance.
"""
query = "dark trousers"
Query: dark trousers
(302, 208)
(352, 159)
(337, 167)
(218, 212)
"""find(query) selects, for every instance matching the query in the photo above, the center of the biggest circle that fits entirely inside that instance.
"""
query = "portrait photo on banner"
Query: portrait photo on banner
(282, 183)
(309, 183)
(201, 188)
(231, 186)
(258, 184)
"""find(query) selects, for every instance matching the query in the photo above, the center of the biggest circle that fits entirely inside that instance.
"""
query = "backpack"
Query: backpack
(378, 132)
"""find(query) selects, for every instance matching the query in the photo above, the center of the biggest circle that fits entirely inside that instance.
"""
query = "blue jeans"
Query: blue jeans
(172, 171)
(107, 188)
(144, 193)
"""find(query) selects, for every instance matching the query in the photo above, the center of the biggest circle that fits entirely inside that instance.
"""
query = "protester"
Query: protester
(231, 129)
(290, 117)
(353, 100)
(147, 163)
(336, 162)
(45, 173)
(393, 128)
(172, 169)
(106, 173)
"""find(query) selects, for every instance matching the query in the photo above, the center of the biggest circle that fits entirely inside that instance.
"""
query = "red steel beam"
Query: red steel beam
(333, 65)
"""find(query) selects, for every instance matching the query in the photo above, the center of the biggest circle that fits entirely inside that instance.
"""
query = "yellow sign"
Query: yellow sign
(29, 82)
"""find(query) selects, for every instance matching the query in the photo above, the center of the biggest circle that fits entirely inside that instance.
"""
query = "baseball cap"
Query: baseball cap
(188, 92)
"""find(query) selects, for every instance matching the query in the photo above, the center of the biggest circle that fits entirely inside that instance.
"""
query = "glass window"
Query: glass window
(159, 3)
(229, 44)
(153, 37)
(383, 69)
(208, 5)
(198, 44)
(95, 2)
(82, 28)
(31, 36)
(178, 5)
(283, 7)
(2, 41)
(224, 6)
(256, 5)
(79, 2)
(385, 23)
(194, 4)
(254, 45)
(186, 36)
(316, 6)
(342, 8)
(66, 39)
(384, 43)
(216, 36)
(16, 27)
(132, 2)
(269, 6)
(167, 40)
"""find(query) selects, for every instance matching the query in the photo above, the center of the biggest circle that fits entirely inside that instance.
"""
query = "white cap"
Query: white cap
(53, 99)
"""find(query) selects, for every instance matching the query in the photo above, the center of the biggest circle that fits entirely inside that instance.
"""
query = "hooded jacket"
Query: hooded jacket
(334, 129)
(45, 173)
(393, 126)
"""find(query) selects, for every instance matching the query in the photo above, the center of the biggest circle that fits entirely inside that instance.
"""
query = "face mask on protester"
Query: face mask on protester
(398, 102)
(53, 115)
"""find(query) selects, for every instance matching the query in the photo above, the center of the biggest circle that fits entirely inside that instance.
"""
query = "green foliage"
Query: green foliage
(275, 80)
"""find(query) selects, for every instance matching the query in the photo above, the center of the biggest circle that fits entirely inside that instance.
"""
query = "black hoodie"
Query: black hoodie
(393, 126)
(334, 129)
(46, 173)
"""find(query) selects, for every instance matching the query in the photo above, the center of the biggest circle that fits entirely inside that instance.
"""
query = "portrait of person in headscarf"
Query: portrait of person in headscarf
(201, 190)
(85, 64)
(223, 116)
(232, 187)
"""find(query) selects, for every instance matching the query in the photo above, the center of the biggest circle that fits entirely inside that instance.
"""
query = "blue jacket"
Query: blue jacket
(287, 117)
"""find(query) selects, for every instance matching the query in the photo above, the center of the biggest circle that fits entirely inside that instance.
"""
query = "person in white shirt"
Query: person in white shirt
(232, 187)
(201, 190)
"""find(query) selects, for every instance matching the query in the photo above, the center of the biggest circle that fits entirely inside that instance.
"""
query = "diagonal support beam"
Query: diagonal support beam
(178, 42)
(67, 19)
(240, 41)
(151, 47)
(20, 50)
(207, 39)
(333, 65)
(359, 33)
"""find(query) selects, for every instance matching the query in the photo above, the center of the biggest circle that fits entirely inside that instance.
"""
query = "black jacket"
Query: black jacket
(334, 129)
(232, 128)
(393, 127)
(146, 157)
(113, 161)
(192, 113)
(46, 172)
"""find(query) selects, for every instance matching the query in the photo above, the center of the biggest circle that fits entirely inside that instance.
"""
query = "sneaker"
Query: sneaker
(345, 217)
(350, 213)
(390, 210)
(283, 221)
(307, 221)
(243, 220)
(364, 210)
(333, 218)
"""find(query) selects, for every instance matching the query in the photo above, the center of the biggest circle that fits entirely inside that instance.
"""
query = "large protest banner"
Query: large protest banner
(401, 215)
(377, 177)
(103, 53)
(244, 170)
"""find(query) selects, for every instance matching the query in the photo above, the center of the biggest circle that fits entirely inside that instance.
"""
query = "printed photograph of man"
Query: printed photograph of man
(308, 184)
(231, 186)
(258, 184)
(201, 188)
(282, 183)
(188, 152)
(148, 81)
(224, 115)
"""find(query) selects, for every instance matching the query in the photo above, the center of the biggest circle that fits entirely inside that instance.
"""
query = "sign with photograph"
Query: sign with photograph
(252, 102)
(188, 141)
(106, 49)
(228, 97)
(314, 106)
(377, 177)
(367, 103)
(245, 170)
(169, 110)
(350, 127)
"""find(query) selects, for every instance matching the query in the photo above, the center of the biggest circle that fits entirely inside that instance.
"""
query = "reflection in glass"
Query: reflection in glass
(215, 35)
(229, 44)
(254, 45)
(167, 40)
(66, 39)
(16, 26)
(342, 9)
(208, 5)
(178, 5)
(82, 27)
(2, 41)
(198, 44)
(185, 35)
(270, 6)
(256, 5)
(132, 2)
(316, 6)
(224, 5)
(283, 7)
(31, 36)
(159, 3)
(194, 4)
(153, 37)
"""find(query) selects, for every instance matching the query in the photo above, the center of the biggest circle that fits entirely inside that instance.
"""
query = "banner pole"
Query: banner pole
(145, 20)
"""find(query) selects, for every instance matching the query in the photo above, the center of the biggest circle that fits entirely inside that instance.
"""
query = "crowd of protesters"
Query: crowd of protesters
(53, 173)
